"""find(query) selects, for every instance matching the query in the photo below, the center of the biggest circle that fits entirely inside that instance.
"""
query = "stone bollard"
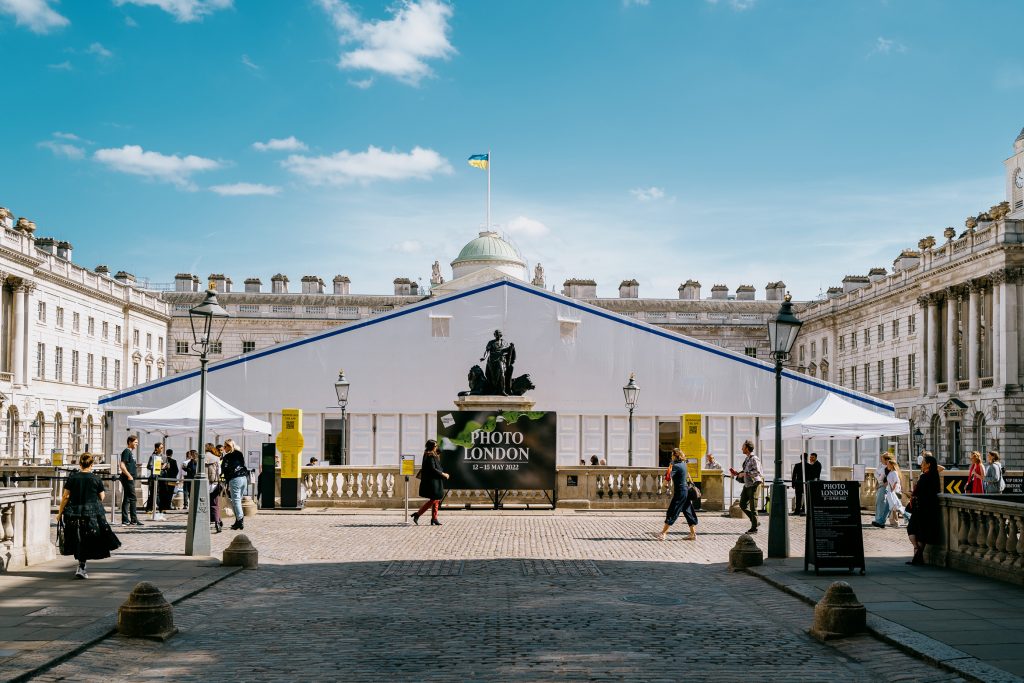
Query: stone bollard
(838, 614)
(241, 553)
(745, 554)
(146, 614)
(248, 507)
(735, 511)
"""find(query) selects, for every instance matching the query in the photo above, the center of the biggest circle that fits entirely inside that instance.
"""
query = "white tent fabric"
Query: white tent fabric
(832, 417)
(183, 418)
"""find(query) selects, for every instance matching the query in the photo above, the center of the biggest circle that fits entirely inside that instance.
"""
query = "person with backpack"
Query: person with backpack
(995, 482)
(236, 474)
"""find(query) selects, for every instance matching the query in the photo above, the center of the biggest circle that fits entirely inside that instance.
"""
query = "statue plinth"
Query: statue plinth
(484, 403)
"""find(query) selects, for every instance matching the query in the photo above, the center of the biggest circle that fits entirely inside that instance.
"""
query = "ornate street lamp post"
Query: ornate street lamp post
(632, 392)
(782, 332)
(36, 438)
(208, 320)
(341, 387)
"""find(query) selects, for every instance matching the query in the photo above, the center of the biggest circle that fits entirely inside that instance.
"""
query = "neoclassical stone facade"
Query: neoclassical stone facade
(68, 335)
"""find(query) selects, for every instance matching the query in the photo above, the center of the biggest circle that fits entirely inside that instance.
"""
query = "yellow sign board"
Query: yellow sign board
(158, 464)
(692, 444)
(290, 443)
(57, 457)
(408, 465)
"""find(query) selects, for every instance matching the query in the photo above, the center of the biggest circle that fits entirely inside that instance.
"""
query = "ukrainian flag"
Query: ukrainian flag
(480, 161)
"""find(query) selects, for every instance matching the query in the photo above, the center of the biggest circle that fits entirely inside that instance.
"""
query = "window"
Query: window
(801, 353)
(90, 326)
(814, 350)
(135, 373)
(348, 312)
(90, 364)
(180, 347)
(881, 376)
(881, 333)
(842, 343)
(867, 336)
(895, 373)
(750, 351)
(106, 330)
(42, 311)
(160, 373)
(867, 377)
(566, 329)
(216, 347)
(853, 341)
(41, 361)
(248, 308)
(76, 321)
(281, 309)
(316, 310)
(160, 344)
(58, 364)
(103, 372)
(117, 333)
(842, 377)
(149, 341)
(117, 373)
(895, 328)
(853, 377)
(149, 372)
(60, 317)
(74, 367)
(824, 346)
(135, 337)
(912, 323)
(912, 370)
(248, 346)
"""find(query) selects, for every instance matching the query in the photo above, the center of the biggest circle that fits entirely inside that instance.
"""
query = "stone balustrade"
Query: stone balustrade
(586, 487)
(24, 528)
(42, 477)
(982, 534)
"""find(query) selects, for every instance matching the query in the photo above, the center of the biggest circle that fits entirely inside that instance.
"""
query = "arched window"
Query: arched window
(39, 435)
(58, 431)
(935, 436)
(13, 432)
(88, 435)
(980, 434)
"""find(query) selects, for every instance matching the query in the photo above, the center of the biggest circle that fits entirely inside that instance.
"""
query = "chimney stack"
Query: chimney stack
(341, 284)
(312, 284)
(629, 289)
(253, 285)
(279, 284)
(720, 292)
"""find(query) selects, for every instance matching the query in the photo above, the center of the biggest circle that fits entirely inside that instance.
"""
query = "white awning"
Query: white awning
(182, 418)
(832, 417)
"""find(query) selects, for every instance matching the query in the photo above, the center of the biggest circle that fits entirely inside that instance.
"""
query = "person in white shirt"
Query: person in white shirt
(881, 505)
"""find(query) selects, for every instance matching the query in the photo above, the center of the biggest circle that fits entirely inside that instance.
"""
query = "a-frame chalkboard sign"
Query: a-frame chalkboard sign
(835, 537)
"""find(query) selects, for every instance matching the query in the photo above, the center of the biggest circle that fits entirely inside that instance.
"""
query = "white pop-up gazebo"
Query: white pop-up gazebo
(182, 418)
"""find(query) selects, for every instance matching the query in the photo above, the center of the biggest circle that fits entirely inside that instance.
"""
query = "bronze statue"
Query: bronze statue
(496, 379)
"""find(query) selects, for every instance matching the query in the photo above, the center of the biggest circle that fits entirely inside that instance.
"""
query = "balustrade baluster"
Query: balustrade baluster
(1019, 562)
(1000, 546)
(350, 484)
(990, 536)
(963, 524)
(600, 486)
(972, 533)
(1010, 546)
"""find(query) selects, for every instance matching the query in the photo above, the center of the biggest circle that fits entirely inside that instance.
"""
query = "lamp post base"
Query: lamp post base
(197, 535)
(778, 522)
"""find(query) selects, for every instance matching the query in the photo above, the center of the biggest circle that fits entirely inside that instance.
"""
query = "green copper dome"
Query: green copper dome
(489, 247)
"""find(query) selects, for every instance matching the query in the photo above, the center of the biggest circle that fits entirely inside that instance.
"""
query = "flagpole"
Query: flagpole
(488, 189)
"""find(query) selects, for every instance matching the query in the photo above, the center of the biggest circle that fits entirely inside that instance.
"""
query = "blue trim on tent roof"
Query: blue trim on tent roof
(564, 301)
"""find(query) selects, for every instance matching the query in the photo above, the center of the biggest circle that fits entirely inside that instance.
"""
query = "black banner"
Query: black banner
(834, 535)
(497, 450)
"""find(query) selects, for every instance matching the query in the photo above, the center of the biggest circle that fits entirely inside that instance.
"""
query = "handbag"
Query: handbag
(62, 536)
(892, 499)
(419, 474)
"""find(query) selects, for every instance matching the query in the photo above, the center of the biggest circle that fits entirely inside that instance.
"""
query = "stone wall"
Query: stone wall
(24, 528)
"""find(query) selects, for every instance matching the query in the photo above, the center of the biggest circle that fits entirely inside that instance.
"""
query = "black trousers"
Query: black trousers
(798, 488)
(129, 514)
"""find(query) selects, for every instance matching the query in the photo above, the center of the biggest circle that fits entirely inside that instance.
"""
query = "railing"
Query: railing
(982, 534)
(963, 384)
(24, 528)
(576, 487)
(986, 382)
(6, 376)
(942, 387)
(42, 477)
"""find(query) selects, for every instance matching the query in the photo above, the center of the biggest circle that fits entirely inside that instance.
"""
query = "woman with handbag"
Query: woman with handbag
(431, 483)
(681, 502)
(894, 491)
(975, 475)
(82, 527)
(924, 508)
(212, 460)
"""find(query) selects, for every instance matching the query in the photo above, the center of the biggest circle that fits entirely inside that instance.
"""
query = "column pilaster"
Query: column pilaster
(1007, 339)
(931, 342)
(973, 314)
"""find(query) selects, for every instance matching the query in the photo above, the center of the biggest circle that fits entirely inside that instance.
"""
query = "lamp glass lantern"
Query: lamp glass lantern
(783, 329)
(632, 392)
(341, 387)
(208, 320)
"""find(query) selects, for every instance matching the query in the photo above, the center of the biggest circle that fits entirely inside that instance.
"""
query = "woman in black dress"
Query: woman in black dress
(86, 533)
(682, 502)
(923, 527)
(431, 483)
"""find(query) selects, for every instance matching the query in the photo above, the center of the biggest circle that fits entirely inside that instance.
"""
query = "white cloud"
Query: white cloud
(173, 169)
(244, 189)
(100, 51)
(61, 66)
(887, 46)
(362, 84)
(65, 136)
(738, 5)
(249, 63)
(36, 15)
(130, 23)
(373, 164)
(648, 194)
(182, 10)
(288, 144)
(63, 149)
(408, 246)
(397, 47)
(527, 227)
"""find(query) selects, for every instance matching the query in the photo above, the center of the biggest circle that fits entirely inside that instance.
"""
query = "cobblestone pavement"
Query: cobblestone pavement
(489, 597)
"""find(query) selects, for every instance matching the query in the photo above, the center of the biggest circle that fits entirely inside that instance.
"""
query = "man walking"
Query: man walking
(128, 467)
(752, 477)
(798, 485)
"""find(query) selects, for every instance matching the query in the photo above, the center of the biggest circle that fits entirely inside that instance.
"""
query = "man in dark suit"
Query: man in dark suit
(813, 468)
(798, 485)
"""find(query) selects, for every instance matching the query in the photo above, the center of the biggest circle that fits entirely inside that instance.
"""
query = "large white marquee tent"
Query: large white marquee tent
(407, 364)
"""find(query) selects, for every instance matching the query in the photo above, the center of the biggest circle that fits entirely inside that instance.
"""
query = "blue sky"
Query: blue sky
(732, 141)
